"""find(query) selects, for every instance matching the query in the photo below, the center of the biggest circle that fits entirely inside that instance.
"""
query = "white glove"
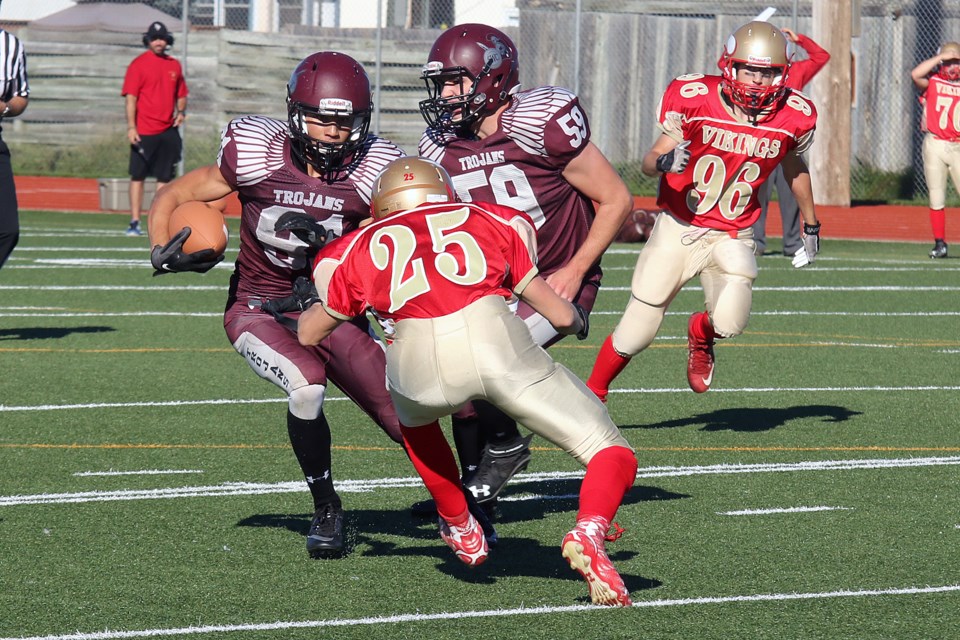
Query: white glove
(800, 258)
(811, 241)
(675, 160)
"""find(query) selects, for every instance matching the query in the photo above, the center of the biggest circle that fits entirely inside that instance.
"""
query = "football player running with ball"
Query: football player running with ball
(722, 136)
(443, 271)
(530, 150)
(299, 182)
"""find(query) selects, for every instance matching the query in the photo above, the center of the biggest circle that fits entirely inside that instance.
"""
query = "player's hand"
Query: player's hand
(306, 228)
(584, 321)
(170, 258)
(675, 160)
(811, 240)
(303, 297)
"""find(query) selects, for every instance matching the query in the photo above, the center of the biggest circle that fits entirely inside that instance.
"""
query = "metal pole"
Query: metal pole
(576, 49)
(376, 103)
(796, 18)
(184, 30)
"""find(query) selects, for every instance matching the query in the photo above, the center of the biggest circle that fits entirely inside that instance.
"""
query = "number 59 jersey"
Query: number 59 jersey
(729, 159)
(521, 166)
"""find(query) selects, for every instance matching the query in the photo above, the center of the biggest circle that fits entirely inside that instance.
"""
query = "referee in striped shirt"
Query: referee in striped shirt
(13, 100)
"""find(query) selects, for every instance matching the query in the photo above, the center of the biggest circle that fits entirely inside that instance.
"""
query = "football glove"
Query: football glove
(675, 160)
(584, 321)
(800, 258)
(303, 297)
(170, 258)
(811, 240)
(305, 228)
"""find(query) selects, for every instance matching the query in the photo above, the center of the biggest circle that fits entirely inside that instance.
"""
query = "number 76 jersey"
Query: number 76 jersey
(729, 159)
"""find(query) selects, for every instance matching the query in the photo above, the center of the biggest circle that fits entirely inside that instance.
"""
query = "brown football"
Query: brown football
(208, 230)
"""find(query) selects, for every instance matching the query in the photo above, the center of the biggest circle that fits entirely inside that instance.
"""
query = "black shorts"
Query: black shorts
(161, 153)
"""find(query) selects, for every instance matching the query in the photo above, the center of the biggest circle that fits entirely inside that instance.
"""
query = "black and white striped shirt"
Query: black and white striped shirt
(13, 68)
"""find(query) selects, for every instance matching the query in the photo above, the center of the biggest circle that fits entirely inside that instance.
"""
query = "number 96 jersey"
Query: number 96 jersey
(729, 158)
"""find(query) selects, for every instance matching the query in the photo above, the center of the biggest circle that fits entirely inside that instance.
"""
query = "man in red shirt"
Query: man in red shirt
(801, 72)
(156, 102)
(443, 272)
(939, 79)
(722, 137)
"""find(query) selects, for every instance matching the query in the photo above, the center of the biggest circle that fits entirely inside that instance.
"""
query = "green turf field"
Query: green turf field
(147, 488)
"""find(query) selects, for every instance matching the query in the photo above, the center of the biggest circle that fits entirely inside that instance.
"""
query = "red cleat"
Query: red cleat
(700, 361)
(584, 549)
(466, 540)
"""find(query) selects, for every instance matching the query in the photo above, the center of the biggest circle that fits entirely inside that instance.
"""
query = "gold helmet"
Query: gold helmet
(755, 44)
(409, 182)
(950, 51)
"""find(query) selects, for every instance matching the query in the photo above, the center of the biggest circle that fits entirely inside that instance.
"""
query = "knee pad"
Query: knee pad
(306, 402)
(732, 310)
(637, 328)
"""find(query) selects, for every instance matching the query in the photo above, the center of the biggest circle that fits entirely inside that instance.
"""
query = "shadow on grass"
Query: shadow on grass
(754, 419)
(48, 333)
(366, 532)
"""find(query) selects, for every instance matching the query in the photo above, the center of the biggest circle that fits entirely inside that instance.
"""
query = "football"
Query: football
(637, 226)
(208, 230)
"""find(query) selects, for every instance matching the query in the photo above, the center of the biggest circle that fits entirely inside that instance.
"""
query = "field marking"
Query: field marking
(490, 613)
(143, 472)
(221, 401)
(777, 510)
(369, 485)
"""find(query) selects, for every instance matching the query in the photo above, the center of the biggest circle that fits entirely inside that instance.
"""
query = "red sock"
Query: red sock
(701, 327)
(609, 475)
(431, 456)
(938, 222)
(607, 366)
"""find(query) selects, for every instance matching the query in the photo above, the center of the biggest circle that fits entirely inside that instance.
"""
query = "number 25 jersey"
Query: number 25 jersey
(729, 159)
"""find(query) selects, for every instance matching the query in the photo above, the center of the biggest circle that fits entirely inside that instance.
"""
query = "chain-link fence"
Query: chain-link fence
(618, 56)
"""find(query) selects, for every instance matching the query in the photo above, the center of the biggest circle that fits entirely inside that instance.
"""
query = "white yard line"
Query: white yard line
(365, 486)
(778, 510)
(142, 472)
(493, 613)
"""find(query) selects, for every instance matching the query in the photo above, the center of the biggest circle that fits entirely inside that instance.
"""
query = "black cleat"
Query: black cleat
(325, 538)
(498, 464)
(939, 250)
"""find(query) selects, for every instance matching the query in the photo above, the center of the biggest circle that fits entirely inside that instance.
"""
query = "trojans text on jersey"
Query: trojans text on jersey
(312, 199)
(482, 159)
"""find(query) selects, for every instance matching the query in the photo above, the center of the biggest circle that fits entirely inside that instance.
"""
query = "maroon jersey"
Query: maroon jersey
(255, 159)
(942, 99)
(729, 159)
(430, 261)
(520, 166)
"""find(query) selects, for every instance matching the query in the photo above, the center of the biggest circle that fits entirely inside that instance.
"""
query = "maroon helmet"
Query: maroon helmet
(484, 55)
(328, 84)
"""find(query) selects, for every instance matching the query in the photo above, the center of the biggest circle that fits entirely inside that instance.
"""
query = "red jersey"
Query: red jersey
(729, 159)
(429, 262)
(157, 82)
(802, 71)
(255, 159)
(942, 108)
(520, 166)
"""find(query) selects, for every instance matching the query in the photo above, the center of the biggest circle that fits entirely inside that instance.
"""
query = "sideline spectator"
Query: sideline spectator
(801, 72)
(156, 104)
(14, 92)
(939, 79)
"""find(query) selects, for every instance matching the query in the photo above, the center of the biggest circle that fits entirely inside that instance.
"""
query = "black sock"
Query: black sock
(499, 428)
(468, 438)
(311, 442)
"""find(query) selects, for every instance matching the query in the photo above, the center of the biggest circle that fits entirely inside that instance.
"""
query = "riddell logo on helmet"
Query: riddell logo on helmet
(336, 104)
(752, 59)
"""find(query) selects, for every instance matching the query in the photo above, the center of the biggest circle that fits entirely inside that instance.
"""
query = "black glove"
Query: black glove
(305, 228)
(304, 295)
(675, 160)
(170, 258)
(584, 322)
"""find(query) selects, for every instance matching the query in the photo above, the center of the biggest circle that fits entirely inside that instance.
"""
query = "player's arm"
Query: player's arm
(315, 324)
(666, 155)
(204, 183)
(921, 72)
(798, 177)
(566, 317)
(591, 174)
